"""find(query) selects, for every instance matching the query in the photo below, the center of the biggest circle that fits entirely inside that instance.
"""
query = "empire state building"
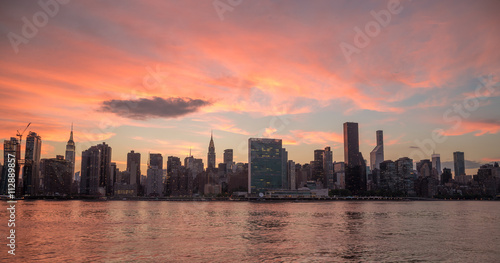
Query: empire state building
(70, 152)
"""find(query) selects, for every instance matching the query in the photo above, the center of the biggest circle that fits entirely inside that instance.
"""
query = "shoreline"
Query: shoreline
(251, 199)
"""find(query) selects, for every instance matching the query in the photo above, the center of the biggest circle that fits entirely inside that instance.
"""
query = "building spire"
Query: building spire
(71, 134)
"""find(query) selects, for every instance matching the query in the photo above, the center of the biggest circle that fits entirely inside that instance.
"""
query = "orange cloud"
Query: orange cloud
(477, 127)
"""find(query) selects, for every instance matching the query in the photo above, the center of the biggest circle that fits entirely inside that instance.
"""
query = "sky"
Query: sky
(159, 76)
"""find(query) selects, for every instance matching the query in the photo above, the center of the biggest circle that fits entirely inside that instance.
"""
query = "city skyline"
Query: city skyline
(243, 78)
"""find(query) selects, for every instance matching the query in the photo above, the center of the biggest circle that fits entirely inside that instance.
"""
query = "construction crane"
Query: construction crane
(20, 135)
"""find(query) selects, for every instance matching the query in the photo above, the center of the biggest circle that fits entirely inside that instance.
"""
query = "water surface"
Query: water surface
(160, 231)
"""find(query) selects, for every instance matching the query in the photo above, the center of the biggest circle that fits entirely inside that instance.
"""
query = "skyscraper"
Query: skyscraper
(134, 167)
(355, 166)
(10, 148)
(291, 175)
(265, 164)
(328, 179)
(459, 163)
(424, 168)
(377, 155)
(31, 171)
(284, 169)
(436, 164)
(56, 174)
(404, 172)
(211, 153)
(156, 160)
(70, 152)
(155, 186)
(228, 155)
(96, 177)
(317, 166)
(351, 143)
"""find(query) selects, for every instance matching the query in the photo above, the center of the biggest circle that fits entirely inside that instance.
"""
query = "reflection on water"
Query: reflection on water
(242, 231)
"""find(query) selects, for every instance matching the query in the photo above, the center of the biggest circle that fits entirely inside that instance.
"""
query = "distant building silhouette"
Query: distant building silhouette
(96, 177)
(377, 154)
(13, 148)
(328, 178)
(459, 163)
(211, 157)
(31, 170)
(154, 185)
(436, 164)
(446, 176)
(134, 168)
(317, 166)
(57, 177)
(71, 153)
(228, 156)
(265, 164)
(355, 166)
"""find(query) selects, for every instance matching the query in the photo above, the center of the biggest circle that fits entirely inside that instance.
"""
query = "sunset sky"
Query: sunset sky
(158, 76)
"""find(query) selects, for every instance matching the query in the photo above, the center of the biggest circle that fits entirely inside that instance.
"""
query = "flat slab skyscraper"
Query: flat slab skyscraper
(265, 164)
(459, 163)
(355, 173)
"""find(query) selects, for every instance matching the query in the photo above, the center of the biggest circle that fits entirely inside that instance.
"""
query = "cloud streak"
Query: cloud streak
(143, 109)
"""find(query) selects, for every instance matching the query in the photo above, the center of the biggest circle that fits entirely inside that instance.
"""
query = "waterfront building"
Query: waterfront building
(56, 176)
(377, 154)
(71, 152)
(265, 164)
(11, 148)
(31, 170)
(96, 177)
(355, 166)
(459, 163)
(211, 157)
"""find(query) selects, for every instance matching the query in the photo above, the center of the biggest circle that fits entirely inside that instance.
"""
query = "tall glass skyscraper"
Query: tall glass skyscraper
(265, 165)
(377, 154)
(355, 166)
(13, 148)
(459, 163)
(134, 168)
(31, 170)
(96, 171)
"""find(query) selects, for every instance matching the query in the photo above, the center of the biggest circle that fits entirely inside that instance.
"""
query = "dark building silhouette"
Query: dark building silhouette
(155, 159)
(377, 154)
(211, 154)
(228, 156)
(154, 182)
(265, 164)
(446, 176)
(134, 167)
(11, 147)
(355, 166)
(71, 152)
(424, 168)
(56, 174)
(317, 166)
(96, 177)
(459, 163)
(31, 170)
